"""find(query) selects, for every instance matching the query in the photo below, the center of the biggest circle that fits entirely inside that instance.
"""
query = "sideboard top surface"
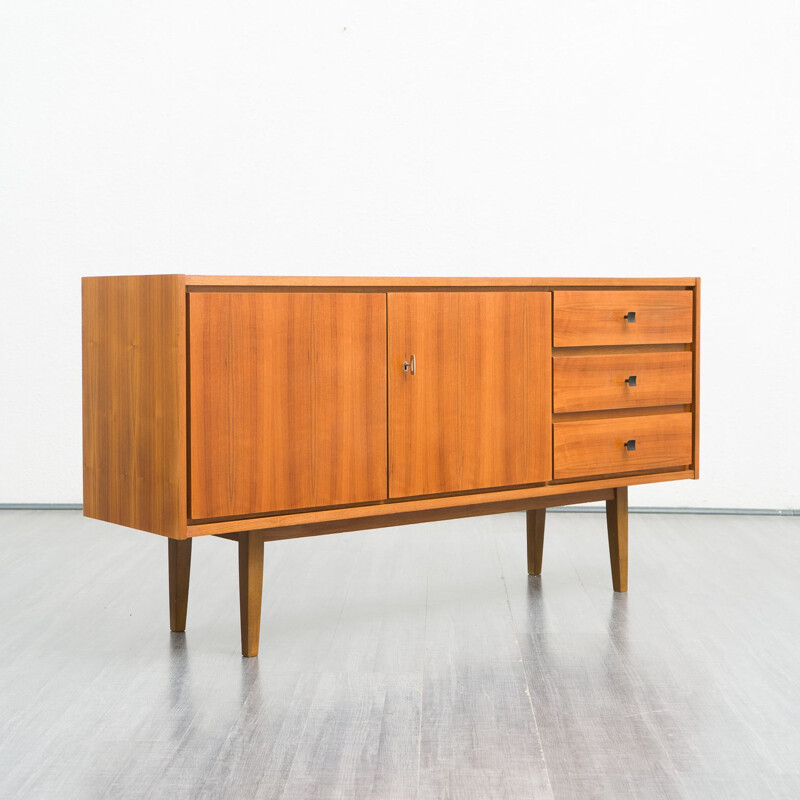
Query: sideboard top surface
(206, 281)
(392, 282)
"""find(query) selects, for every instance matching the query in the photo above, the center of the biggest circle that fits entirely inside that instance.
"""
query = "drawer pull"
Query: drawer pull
(630, 316)
(631, 381)
(630, 444)
(410, 366)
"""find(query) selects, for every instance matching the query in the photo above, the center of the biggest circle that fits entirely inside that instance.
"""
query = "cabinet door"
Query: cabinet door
(287, 401)
(476, 411)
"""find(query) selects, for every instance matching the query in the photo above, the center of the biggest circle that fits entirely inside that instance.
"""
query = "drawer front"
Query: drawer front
(596, 382)
(597, 446)
(584, 318)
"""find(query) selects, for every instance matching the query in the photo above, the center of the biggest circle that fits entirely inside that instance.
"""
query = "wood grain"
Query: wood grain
(179, 557)
(134, 402)
(357, 517)
(597, 318)
(251, 582)
(617, 522)
(476, 414)
(593, 447)
(288, 401)
(583, 383)
(534, 519)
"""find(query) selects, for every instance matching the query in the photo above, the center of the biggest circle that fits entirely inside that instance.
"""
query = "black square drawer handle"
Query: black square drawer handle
(630, 444)
(631, 381)
(630, 316)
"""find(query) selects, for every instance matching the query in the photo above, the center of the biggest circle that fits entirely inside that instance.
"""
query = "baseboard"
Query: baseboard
(748, 512)
(760, 512)
(41, 506)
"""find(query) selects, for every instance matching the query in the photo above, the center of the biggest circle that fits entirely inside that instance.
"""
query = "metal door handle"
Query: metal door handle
(631, 381)
(630, 444)
(410, 366)
(630, 316)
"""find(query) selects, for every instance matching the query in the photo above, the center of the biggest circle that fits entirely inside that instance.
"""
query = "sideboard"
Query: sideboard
(265, 408)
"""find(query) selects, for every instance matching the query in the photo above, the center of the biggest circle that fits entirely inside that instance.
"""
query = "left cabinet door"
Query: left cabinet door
(287, 401)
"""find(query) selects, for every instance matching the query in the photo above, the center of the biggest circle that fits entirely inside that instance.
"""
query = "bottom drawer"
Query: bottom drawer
(598, 446)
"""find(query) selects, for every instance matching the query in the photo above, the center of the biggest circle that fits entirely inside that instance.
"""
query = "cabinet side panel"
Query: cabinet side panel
(696, 398)
(134, 402)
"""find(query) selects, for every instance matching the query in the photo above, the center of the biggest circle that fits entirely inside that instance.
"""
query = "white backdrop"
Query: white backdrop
(390, 138)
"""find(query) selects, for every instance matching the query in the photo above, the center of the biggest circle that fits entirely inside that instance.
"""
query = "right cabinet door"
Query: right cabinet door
(469, 383)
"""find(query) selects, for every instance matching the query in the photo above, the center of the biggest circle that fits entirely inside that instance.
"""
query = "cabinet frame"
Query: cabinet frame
(137, 325)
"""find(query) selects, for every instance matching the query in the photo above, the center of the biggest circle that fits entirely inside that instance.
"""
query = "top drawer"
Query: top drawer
(632, 317)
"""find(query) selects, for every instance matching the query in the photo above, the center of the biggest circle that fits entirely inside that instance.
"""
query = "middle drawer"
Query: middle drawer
(597, 382)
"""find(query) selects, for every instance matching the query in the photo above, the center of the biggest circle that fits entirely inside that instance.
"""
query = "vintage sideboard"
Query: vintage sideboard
(259, 409)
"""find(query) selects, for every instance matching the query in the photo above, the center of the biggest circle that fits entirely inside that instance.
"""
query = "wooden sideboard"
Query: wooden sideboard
(259, 409)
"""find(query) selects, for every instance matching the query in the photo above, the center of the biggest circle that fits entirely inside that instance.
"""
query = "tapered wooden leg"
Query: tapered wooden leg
(251, 580)
(180, 561)
(617, 519)
(535, 523)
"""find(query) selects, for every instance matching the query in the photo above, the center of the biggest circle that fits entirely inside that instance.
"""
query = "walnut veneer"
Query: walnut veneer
(258, 409)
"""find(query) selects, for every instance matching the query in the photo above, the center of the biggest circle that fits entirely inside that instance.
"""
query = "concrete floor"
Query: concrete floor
(417, 662)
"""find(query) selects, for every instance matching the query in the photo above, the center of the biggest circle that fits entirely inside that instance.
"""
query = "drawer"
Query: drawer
(597, 446)
(633, 317)
(595, 382)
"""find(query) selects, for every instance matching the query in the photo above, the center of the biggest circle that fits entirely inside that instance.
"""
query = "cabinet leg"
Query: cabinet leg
(180, 561)
(535, 524)
(251, 580)
(617, 519)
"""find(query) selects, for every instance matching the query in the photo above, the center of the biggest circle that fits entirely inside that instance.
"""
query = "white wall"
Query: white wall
(419, 138)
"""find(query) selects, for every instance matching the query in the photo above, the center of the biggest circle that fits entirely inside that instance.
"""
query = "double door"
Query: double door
(303, 400)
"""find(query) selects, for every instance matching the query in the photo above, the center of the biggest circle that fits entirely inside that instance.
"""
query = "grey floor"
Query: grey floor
(416, 662)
